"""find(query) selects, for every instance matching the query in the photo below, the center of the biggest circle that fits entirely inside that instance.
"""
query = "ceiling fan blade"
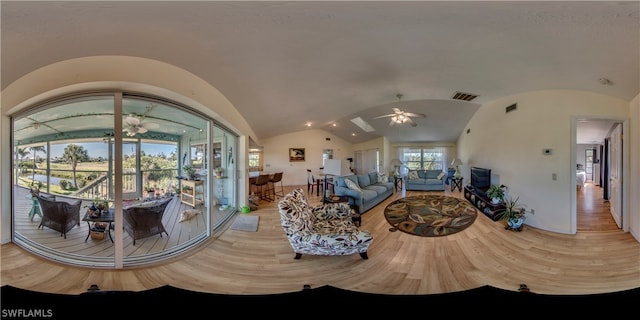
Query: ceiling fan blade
(391, 123)
(397, 111)
(142, 130)
(410, 114)
(411, 122)
(385, 116)
(150, 125)
(132, 120)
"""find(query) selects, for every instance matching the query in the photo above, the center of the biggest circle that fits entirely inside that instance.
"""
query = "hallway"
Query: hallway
(592, 210)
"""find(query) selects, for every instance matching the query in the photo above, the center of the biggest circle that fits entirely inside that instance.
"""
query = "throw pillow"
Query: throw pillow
(188, 215)
(413, 174)
(352, 185)
(382, 177)
(441, 175)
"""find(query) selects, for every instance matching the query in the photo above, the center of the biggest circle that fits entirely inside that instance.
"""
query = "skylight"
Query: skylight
(366, 127)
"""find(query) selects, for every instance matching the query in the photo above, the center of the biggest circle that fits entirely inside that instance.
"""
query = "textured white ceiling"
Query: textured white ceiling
(283, 64)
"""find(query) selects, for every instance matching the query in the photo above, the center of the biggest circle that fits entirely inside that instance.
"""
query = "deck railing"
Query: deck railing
(98, 184)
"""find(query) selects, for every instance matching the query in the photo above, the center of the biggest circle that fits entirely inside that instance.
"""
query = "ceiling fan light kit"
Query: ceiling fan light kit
(134, 125)
(399, 117)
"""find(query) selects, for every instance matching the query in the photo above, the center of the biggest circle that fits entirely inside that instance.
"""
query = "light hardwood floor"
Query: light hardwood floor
(602, 260)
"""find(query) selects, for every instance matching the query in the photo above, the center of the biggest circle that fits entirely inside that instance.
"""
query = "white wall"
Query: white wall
(511, 144)
(373, 144)
(314, 141)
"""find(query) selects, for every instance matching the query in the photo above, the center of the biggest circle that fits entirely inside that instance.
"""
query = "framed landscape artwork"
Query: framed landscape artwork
(296, 154)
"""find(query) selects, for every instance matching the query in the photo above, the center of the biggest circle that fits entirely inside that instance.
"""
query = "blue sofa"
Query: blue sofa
(373, 192)
(426, 180)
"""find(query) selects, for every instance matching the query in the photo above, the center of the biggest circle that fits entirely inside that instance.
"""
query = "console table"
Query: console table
(484, 204)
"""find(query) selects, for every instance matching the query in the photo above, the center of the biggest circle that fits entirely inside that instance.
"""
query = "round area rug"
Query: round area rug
(430, 215)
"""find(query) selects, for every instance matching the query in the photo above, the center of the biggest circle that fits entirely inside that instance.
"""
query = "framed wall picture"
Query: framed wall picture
(296, 154)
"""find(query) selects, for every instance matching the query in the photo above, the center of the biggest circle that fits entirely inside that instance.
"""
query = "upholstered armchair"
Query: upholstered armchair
(145, 219)
(60, 216)
(322, 230)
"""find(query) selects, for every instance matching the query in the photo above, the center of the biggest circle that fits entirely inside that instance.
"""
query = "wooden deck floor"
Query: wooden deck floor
(179, 232)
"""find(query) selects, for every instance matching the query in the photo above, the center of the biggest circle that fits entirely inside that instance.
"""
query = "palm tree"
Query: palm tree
(73, 154)
(22, 153)
(35, 150)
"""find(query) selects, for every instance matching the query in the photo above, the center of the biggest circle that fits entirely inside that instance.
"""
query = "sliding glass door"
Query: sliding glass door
(66, 150)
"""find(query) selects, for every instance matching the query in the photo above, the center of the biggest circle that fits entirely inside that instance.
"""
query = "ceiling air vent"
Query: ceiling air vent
(464, 96)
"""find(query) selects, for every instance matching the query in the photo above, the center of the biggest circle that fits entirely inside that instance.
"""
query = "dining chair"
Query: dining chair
(312, 182)
(277, 177)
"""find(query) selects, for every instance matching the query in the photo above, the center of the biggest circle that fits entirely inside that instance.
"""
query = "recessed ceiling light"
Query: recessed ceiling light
(334, 124)
(308, 124)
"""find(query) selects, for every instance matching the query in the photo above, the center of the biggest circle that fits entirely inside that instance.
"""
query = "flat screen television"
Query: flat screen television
(480, 178)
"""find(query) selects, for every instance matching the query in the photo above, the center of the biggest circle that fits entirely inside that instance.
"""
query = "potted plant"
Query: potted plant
(514, 214)
(100, 204)
(151, 191)
(495, 193)
(190, 171)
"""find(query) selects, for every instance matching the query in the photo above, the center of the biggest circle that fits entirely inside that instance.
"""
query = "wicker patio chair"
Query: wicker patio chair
(60, 216)
(145, 219)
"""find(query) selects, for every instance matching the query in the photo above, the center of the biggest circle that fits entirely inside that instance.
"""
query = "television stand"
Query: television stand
(484, 204)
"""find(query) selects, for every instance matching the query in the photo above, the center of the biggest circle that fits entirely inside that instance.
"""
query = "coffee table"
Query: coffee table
(103, 217)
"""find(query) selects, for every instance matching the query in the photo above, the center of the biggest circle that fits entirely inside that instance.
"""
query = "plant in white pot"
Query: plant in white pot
(514, 213)
(495, 193)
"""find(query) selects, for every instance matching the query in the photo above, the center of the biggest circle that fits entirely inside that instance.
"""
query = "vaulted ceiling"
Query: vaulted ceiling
(286, 64)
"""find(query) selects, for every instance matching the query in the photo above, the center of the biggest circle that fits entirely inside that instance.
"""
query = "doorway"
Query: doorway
(595, 156)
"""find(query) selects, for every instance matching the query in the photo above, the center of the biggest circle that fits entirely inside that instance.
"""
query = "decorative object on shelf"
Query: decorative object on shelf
(514, 214)
(219, 171)
(456, 163)
(495, 193)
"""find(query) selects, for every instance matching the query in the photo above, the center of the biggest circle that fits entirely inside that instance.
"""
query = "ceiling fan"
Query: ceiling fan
(399, 117)
(134, 124)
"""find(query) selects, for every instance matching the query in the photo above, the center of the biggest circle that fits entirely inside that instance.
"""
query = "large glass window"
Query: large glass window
(65, 151)
(423, 158)
(255, 160)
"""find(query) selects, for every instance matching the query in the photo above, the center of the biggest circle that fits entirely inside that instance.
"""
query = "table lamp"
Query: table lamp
(396, 163)
(456, 163)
